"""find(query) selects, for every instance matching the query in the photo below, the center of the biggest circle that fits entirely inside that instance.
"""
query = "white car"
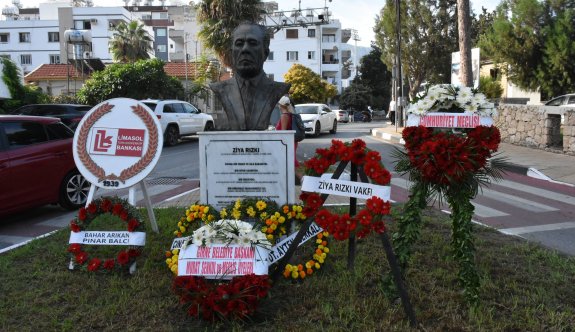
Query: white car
(317, 118)
(567, 100)
(179, 118)
(342, 116)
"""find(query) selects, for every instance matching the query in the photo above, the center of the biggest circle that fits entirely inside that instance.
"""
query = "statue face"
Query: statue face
(248, 50)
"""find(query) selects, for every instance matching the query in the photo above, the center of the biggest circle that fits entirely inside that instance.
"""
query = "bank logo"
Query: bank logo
(117, 142)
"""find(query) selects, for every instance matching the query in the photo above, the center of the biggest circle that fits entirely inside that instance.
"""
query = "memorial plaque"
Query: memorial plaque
(237, 165)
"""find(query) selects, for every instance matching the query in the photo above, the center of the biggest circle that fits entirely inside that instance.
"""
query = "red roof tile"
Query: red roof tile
(52, 72)
(60, 71)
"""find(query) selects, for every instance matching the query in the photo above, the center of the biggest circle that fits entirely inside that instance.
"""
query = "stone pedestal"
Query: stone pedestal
(246, 164)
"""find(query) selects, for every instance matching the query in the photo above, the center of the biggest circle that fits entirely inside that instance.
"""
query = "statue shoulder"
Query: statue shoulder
(220, 86)
(282, 87)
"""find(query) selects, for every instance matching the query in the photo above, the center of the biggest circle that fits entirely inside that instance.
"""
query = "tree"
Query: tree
(428, 37)
(219, 18)
(539, 44)
(140, 80)
(307, 86)
(130, 42)
(464, 34)
(375, 76)
(20, 94)
(356, 97)
(480, 25)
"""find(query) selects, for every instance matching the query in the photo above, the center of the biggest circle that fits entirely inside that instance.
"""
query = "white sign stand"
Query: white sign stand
(132, 201)
(116, 145)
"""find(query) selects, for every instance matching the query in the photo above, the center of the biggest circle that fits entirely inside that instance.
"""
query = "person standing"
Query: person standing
(392, 108)
(285, 121)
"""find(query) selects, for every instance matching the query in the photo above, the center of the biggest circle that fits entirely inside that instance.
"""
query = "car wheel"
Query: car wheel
(334, 128)
(317, 129)
(74, 191)
(171, 136)
(209, 126)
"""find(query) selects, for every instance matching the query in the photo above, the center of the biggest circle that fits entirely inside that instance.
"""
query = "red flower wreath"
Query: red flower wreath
(210, 300)
(106, 205)
(446, 158)
(366, 220)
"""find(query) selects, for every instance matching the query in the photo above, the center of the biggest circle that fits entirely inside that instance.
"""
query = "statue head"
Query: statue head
(250, 48)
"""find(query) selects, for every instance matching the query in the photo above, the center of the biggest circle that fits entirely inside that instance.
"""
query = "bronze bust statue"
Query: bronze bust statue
(249, 97)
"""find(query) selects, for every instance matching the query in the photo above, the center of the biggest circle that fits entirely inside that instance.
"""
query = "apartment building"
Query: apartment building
(32, 37)
(324, 48)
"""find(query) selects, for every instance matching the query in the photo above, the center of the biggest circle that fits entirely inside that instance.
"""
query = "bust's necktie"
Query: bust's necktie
(247, 99)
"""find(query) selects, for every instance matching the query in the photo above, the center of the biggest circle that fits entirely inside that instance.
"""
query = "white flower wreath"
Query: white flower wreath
(229, 231)
(452, 99)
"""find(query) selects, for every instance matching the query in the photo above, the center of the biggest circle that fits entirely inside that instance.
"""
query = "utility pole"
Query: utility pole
(399, 77)
(186, 65)
(355, 37)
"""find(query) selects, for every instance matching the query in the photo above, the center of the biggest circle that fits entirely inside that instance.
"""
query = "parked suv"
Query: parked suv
(317, 118)
(37, 164)
(69, 114)
(179, 118)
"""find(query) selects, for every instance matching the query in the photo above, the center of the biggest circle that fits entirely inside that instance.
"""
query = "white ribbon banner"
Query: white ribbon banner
(345, 188)
(222, 261)
(178, 243)
(279, 250)
(448, 120)
(109, 238)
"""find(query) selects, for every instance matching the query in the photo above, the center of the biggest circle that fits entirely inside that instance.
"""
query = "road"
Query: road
(534, 209)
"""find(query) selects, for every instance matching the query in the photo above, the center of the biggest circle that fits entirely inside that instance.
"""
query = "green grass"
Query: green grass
(524, 288)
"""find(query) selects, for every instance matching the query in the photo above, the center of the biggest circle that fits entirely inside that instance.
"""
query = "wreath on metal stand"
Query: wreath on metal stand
(119, 209)
(367, 165)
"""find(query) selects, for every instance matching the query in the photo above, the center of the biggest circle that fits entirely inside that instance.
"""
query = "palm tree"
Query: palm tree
(220, 17)
(130, 42)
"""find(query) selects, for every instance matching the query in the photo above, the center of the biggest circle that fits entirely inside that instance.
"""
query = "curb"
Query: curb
(394, 138)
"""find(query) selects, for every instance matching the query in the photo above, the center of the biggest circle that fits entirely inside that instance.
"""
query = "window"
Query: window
(26, 59)
(24, 133)
(311, 55)
(54, 59)
(83, 25)
(188, 108)
(311, 33)
(271, 56)
(178, 108)
(24, 37)
(291, 55)
(291, 33)
(328, 39)
(161, 32)
(162, 48)
(53, 37)
(4, 37)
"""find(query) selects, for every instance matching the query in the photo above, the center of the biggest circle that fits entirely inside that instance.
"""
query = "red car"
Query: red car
(37, 164)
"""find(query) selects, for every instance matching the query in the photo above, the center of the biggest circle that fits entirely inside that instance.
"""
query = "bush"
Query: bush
(490, 87)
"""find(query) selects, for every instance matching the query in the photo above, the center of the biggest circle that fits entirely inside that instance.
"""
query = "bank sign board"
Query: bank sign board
(117, 143)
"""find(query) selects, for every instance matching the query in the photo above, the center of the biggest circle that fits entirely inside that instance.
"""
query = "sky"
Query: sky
(353, 14)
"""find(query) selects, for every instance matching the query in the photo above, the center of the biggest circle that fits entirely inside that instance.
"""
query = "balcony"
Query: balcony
(177, 56)
(158, 23)
(177, 35)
